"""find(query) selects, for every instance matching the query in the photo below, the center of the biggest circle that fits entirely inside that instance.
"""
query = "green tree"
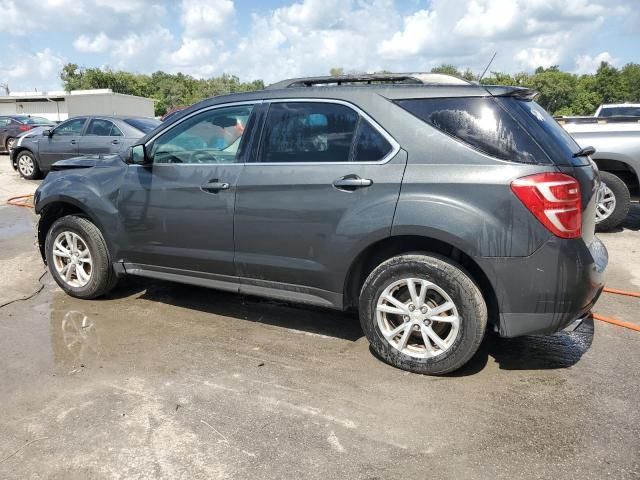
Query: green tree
(447, 69)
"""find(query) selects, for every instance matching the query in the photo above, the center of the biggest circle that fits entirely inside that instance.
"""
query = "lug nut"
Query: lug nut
(412, 307)
(423, 309)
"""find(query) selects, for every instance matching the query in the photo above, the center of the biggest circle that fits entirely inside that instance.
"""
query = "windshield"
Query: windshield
(145, 125)
(619, 112)
(35, 120)
(548, 133)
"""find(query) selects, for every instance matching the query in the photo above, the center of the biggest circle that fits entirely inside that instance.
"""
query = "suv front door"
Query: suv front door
(324, 183)
(63, 143)
(177, 211)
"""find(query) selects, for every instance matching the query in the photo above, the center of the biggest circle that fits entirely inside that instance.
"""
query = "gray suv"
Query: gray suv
(434, 209)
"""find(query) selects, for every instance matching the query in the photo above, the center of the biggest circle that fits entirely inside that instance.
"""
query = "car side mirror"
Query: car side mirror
(137, 155)
(47, 133)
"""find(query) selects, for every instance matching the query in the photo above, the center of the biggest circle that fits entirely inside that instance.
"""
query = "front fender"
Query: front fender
(84, 193)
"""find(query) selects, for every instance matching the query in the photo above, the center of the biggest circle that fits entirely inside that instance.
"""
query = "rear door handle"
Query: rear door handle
(214, 186)
(73, 142)
(115, 142)
(351, 182)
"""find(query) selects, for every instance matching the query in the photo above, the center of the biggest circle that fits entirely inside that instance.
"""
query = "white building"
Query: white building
(60, 105)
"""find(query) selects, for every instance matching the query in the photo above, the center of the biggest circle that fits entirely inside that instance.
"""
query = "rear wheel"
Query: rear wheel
(27, 166)
(613, 202)
(9, 143)
(78, 258)
(422, 313)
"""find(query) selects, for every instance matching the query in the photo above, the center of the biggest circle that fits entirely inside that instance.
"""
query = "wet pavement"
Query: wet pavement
(161, 380)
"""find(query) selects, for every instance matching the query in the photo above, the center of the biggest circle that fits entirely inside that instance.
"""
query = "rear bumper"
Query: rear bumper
(548, 290)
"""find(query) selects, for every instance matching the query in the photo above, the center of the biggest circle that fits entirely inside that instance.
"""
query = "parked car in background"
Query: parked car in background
(438, 208)
(34, 154)
(172, 114)
(12, 126)
(618, 110)
(617, 155)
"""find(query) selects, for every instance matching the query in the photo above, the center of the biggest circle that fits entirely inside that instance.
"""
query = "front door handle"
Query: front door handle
(351, 182)
(115, 142)
(214, 186)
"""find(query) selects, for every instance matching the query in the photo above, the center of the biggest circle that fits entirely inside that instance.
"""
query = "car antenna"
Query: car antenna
(488, 65)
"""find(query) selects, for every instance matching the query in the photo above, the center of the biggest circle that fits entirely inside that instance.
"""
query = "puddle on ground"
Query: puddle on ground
(16, 221)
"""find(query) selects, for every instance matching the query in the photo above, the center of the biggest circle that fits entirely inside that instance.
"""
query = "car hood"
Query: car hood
(87, 161)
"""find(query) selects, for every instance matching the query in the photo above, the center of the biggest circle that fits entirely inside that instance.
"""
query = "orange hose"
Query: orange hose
(622, 292)
(619, 323)
(21, 201)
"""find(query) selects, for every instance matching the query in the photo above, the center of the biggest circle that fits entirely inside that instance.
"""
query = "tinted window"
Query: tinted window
(103, 128)
(620, 111)
(370, 146)
(308, 132)
(554, 139)
(70, 127)
(210, 137)
(145, 125)
(480, 122)
(4, 121)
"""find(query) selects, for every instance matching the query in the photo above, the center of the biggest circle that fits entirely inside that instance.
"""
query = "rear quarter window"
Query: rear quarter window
(481, 123)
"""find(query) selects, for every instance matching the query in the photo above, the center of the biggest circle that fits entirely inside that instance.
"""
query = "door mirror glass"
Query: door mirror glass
(47, 133)
(138, 155)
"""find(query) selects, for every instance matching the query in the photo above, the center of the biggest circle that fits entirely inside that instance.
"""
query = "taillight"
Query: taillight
(24, 128)
(554, 199)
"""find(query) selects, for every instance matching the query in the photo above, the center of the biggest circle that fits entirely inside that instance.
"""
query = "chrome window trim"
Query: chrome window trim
(198, 112)
(395, 146)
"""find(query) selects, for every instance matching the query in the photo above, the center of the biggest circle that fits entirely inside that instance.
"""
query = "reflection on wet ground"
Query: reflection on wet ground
(124, 319)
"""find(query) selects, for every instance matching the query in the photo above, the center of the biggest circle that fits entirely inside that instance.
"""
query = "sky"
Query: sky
(276, 39)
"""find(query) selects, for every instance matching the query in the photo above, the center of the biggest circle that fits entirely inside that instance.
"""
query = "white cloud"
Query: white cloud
(33, 71)
(201, 17)
(308, 37)
(589, 64)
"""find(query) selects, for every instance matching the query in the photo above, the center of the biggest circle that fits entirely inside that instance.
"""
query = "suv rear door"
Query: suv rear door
(323, 183)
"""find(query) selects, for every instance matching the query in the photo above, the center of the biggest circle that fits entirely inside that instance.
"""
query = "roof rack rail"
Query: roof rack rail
(589, 119)
(366, 78)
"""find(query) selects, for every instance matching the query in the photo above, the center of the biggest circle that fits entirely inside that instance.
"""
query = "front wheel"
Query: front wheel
(613, 202)
(78, 258)
(27, 166)
(422, 313)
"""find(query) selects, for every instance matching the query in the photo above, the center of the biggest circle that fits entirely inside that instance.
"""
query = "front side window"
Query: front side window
(70, 127)
(213, 136)
(103, 128)
(481, 123)
(312, 132)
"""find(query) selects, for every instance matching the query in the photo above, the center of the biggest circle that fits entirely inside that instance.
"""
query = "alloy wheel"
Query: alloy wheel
(606, 203)
(417, 318)
(25, 165)
(72, 259)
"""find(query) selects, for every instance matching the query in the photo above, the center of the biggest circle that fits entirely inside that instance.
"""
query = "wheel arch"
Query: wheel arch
(376, 253)
(17, 151)
(58, 208)
(622, 169)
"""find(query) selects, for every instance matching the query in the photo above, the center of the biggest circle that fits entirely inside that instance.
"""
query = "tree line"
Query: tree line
(560, 93)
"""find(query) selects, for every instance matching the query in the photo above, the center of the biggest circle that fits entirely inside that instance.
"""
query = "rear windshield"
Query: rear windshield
(480, 122)
(555, 140)
(145, 125)
(619, 112)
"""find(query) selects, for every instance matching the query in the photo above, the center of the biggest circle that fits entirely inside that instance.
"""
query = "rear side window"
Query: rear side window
(370, 145)
(103, 128)
(310, 132)
(145, 125)
(481, 123)
(620, 111)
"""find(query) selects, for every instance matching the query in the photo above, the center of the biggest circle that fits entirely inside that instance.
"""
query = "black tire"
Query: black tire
(7, 143)
(102, 278)
(25, 172)
(623, 202)
(455, 282)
